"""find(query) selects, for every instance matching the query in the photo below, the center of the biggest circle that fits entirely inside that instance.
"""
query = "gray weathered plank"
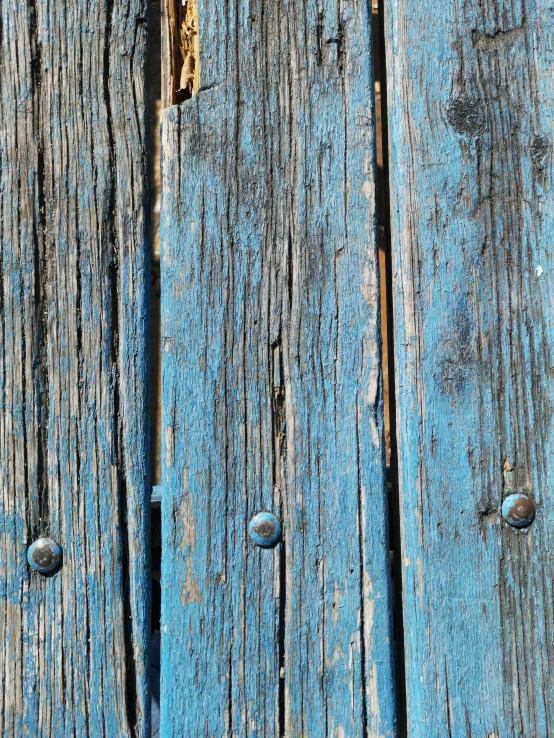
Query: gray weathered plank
(73, 326)
(272, 396)
(471, 104)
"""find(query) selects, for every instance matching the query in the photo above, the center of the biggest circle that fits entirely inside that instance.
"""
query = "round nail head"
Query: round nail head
(265, 529)
(518, 510)
(44, 555)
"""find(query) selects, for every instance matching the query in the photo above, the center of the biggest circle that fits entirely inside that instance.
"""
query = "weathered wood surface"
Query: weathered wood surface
(73, 449)
(272, 396)
(471, 106)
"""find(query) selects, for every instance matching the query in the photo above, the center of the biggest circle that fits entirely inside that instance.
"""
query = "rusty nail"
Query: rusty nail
(265, 529)
(44, 555)
(518, 510)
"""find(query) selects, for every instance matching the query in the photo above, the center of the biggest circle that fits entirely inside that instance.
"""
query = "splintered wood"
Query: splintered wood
(185, 56)
(188, 33)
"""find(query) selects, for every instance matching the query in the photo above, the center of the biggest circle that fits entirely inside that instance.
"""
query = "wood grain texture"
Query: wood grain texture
(73, 330)
(471, 92)
(272, 396)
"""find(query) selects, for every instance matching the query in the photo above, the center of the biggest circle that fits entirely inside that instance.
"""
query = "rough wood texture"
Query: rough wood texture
(73, 439)
(272, 396)
(471, 95)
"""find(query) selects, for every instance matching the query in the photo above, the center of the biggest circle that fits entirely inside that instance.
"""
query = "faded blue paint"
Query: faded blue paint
(272, 396)
(265, 529)
(471, 124)
(518, 510)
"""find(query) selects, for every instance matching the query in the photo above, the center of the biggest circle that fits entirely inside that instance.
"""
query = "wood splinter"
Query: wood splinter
(188, 57)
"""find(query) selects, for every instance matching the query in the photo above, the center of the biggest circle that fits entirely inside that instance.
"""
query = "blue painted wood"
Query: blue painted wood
(73, 338)
(272, 396)
(471, 115)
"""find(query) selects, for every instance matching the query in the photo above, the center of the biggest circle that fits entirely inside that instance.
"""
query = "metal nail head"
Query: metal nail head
(518, 510)
(44, 555)
(265, 529)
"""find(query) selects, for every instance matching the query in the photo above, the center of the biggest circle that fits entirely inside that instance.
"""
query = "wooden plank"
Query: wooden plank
(73, 327)
(471, 95)
(272, 396)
